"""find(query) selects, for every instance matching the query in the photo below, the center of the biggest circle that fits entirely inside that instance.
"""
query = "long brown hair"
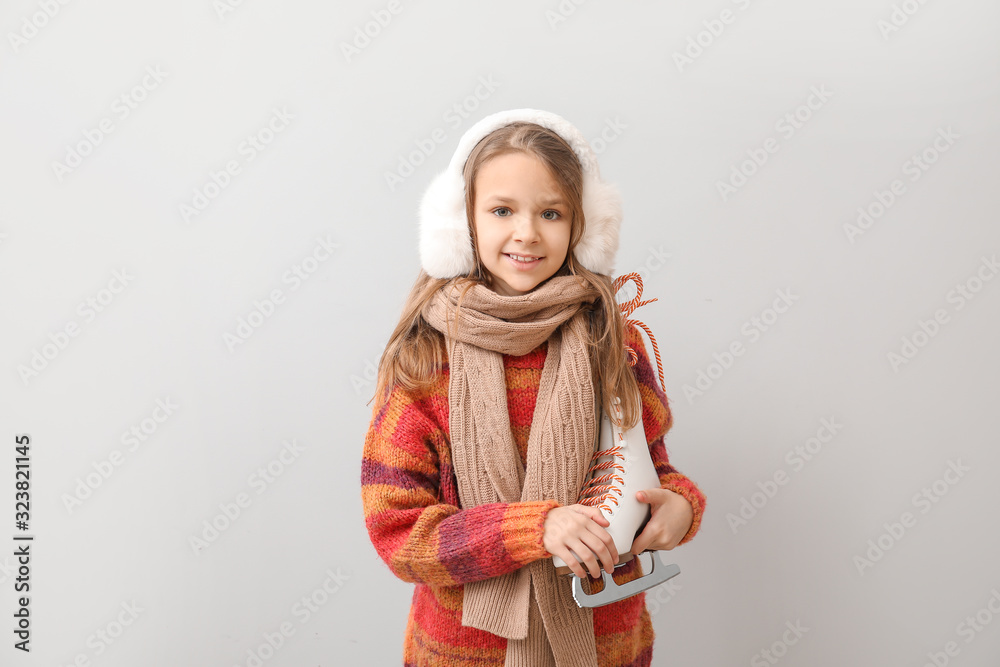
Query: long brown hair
(415, 351)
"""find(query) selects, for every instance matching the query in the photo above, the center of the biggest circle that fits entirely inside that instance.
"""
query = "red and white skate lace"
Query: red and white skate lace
(603, 490)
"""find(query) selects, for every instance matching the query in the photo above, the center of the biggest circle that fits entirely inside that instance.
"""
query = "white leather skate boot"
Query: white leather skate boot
(622, 466)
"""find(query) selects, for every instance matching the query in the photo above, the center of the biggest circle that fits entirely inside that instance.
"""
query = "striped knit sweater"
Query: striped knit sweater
(411, 505)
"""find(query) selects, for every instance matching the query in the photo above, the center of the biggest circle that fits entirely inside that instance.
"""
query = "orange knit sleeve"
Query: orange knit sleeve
(417, 532)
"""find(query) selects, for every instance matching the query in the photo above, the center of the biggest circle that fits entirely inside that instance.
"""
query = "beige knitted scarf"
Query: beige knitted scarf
(546, 627)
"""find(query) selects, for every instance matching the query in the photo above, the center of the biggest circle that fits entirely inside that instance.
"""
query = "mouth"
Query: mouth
(524, 259)
(524, 262)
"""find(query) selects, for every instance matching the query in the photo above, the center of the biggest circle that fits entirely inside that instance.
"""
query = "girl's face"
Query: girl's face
(520, 214)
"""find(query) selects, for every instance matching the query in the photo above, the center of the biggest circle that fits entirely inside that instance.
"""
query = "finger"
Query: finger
(571, 560)
(598, 516)
(654, 540)
(593, 513)
(608, 541)
(568, 557)
(597, 527)
(604, 550)
(640, 543)
(651, 495)
(589, 559)
(594, 548)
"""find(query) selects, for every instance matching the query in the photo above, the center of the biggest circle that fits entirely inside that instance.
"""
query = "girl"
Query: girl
(484, 422)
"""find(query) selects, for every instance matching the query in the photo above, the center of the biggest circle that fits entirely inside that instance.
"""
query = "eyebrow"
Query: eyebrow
(546, 202)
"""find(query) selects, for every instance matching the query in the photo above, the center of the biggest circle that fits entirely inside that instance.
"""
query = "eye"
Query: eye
(556, 214)
(501, 208)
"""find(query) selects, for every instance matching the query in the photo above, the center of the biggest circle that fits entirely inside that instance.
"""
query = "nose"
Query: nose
(525, 230)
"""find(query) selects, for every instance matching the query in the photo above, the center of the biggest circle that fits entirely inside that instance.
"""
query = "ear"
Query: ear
(602, 209)
(445, 243)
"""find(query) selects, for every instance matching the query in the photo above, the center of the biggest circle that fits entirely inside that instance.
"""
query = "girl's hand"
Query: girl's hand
(670, 522)
(580, 529)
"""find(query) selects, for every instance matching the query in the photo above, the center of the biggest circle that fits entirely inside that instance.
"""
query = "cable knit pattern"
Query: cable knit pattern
(410, 499)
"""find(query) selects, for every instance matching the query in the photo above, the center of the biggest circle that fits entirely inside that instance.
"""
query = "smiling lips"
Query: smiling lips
(523, 261)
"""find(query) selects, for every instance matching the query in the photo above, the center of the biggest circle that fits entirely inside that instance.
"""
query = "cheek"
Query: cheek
(487, 233)
(485, 241)
(564, 237)
(481, 230)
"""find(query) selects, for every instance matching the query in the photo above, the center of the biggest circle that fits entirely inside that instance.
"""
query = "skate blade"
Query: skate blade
(612, 592)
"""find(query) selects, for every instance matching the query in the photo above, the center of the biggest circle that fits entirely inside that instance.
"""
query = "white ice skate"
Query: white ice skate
(621, 467)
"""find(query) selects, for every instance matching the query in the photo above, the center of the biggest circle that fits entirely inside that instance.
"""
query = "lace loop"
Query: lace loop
(627, 309)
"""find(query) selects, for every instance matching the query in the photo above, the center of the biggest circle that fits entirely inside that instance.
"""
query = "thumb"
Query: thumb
(649, 495)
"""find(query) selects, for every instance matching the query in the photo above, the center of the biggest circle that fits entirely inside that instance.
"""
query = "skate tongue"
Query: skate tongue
(659, 572)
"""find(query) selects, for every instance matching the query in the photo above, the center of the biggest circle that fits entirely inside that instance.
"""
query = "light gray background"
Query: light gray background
(305, 374)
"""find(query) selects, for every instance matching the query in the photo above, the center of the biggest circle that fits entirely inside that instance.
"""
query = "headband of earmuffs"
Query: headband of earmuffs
(445, 242)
